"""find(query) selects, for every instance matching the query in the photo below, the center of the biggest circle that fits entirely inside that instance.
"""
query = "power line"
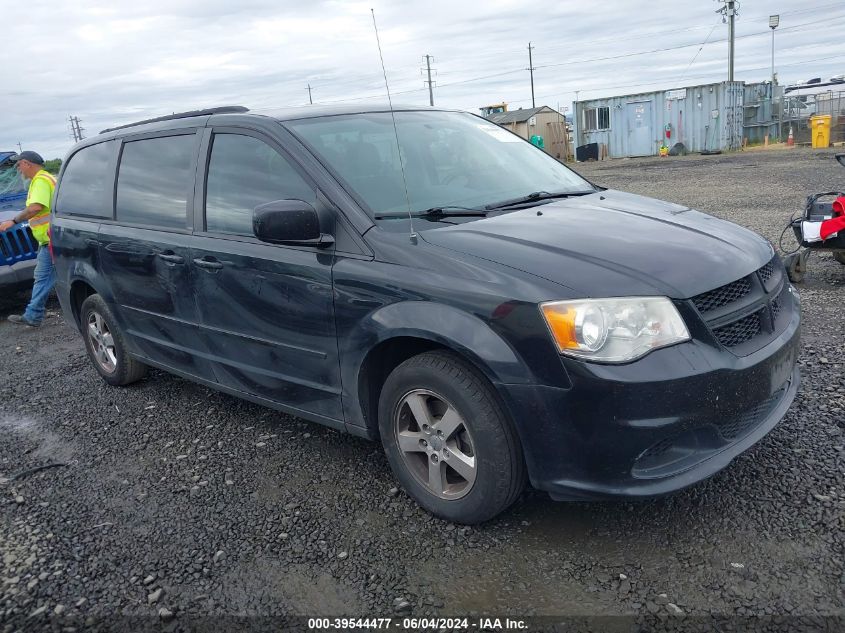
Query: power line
(558, 94)
(665, 79)
(505, 73)
(662, 32)
(797, 11)
(675, 48)
(623, 56)
(701, 48)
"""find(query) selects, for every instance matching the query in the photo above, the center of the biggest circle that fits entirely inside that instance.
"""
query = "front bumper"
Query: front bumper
(17, 274)
(652, 427)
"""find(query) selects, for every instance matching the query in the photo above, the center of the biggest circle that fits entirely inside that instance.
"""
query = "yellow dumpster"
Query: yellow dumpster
(820, 126)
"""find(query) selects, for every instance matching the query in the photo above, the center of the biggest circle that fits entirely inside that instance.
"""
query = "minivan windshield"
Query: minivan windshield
(451, 159)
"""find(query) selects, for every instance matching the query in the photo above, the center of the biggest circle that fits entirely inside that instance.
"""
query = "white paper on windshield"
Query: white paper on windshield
(499, 134)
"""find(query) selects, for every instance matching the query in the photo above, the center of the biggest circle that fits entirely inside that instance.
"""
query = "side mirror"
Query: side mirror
(841, 159)
(291, 222)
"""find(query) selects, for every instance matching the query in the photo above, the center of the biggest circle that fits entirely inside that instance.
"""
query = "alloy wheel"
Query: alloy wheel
(435, 444)
(102, 342)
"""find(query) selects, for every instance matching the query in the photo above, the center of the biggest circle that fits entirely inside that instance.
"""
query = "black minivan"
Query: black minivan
(427, 278)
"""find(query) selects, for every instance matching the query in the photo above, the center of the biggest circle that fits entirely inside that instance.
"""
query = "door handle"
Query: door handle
(172, 258)
(211, 264)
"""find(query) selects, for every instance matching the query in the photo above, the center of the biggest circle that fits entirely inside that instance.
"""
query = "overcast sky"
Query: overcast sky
(115, 62)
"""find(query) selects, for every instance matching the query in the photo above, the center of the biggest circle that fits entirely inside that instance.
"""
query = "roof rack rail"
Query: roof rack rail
(182, 115)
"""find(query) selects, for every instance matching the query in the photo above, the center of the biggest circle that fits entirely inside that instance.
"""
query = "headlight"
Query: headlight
(614, 330)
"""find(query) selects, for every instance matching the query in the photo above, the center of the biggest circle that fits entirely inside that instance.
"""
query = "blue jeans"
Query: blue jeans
(45, 279)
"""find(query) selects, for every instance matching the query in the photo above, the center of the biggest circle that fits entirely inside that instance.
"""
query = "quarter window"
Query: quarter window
(244, 173)
(154, 181)
(85, 188)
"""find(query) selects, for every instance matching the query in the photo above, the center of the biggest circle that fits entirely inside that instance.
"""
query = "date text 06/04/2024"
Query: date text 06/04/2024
(416, 624)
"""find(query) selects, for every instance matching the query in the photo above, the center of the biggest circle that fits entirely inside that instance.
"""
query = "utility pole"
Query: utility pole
(729, 12)
(428, 59)
(20, 149)
(311, 101)
(76, 129)
(531, 69)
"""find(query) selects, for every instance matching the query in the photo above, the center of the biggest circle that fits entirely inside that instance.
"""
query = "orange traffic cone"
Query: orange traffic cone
(790, 140)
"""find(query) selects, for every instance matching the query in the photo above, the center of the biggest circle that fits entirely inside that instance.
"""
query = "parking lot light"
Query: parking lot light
(774, 20)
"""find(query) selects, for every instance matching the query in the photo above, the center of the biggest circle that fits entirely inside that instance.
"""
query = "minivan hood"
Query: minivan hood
(614, 244)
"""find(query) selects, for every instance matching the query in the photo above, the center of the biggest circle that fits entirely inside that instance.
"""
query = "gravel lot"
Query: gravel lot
(177, 502)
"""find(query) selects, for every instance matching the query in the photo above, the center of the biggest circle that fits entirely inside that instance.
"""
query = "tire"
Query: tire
(839, 256)
(796, 267)
(463, 462)
(795, 276)
(106, 344)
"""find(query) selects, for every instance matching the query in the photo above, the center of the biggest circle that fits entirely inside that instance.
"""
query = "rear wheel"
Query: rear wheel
(448, 440)
(106, 344)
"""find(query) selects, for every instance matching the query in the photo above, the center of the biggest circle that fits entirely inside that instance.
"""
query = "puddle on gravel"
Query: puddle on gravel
(467, 583)
(291, 587)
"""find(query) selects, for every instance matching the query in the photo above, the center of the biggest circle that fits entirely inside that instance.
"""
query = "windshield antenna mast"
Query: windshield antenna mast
(395, 132)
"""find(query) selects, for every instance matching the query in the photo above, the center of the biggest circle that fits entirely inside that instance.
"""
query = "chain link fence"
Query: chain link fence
(798, 109)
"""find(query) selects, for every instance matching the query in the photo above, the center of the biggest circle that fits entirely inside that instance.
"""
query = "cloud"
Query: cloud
(114, 63)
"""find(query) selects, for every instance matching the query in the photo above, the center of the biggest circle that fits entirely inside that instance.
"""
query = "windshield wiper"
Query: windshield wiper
(451, 211)
(536, 196)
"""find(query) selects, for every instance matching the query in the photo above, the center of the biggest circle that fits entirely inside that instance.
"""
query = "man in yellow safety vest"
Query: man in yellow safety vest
(37, 211)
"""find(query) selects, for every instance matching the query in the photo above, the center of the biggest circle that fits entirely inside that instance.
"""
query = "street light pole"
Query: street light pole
(774, 20)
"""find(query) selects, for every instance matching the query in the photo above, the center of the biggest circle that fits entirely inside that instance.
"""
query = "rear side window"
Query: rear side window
(154, 181)
(244, 173)
(86, 185)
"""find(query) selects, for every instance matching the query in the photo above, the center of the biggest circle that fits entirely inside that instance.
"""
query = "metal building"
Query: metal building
(761, 110)
(701, 117)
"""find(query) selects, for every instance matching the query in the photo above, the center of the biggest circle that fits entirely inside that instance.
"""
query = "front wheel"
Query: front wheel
(106, 344)
(448, 440)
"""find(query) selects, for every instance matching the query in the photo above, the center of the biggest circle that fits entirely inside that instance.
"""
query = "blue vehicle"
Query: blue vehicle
(17, 246)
